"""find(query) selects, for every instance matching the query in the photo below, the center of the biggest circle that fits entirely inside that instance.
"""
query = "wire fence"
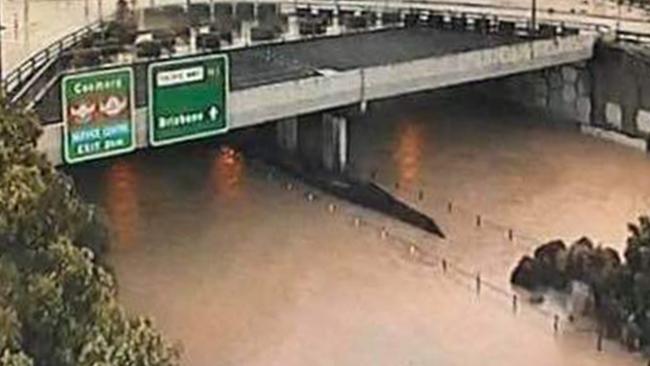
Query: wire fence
(461, 274)
(415, 196)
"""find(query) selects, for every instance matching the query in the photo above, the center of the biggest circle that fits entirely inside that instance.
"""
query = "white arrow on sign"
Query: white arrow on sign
(213, 112)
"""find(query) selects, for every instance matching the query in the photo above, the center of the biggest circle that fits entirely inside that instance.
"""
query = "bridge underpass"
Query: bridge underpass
(276, 82)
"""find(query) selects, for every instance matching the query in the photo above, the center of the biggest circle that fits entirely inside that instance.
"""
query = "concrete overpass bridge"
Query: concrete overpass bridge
(278, 80)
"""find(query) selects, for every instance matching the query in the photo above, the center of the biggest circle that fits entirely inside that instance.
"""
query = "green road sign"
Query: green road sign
(188, 99)
(98, 114)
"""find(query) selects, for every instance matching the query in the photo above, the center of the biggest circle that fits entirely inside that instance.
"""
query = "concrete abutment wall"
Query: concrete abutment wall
(607, 96)
(564, 90)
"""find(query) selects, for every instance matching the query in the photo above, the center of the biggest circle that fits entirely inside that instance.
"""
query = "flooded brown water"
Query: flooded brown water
(243, 271)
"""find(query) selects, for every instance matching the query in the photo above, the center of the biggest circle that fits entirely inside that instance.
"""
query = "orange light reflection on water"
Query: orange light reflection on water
(408, 155)
(122, 201)
(226, 173)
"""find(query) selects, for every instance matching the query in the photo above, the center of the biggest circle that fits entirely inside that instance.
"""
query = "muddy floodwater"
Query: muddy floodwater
(242, 269)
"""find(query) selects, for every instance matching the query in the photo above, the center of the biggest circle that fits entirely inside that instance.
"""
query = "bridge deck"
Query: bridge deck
(356, 51)
(264, 65)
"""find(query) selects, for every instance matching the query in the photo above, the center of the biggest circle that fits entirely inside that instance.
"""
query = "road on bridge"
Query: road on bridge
(34, 24)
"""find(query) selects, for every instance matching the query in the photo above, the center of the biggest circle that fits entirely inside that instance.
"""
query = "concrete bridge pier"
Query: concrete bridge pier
(335, 142)
(319, 140)
(287, 134)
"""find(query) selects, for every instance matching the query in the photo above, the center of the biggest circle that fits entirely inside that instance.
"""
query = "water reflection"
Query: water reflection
(244, 271)
(226, 172)
(408, 152)
(121, 201)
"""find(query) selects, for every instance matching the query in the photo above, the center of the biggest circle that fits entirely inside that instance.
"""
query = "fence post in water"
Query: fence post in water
(514, 303)
(478, 220)
(510, 234)
(449, 206)
(478, 283)
(444, 265)
(420, 195)
(556, 323)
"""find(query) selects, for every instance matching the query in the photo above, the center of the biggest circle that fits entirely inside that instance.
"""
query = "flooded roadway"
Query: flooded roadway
(243, 271)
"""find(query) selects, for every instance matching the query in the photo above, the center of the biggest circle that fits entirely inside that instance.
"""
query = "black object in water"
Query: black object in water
(363, 193)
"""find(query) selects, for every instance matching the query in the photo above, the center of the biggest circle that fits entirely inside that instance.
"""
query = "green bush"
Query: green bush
(57, 304)
(621, 289)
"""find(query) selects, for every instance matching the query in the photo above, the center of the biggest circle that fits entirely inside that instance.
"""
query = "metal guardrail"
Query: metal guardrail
(19, 77)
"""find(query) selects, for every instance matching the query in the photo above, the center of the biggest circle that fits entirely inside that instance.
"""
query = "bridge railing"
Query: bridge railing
(23, 81)
(19, 78)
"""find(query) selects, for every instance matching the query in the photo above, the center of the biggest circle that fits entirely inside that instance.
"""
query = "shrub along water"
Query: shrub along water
(620, 289)
(57, 303)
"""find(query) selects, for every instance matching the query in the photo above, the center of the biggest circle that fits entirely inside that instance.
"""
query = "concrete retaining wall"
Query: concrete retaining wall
(564, 90)
(621, 94)
(609, 96)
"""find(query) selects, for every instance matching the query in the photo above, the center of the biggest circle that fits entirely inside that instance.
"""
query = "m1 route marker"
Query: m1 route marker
(98, 114)
(188, 99)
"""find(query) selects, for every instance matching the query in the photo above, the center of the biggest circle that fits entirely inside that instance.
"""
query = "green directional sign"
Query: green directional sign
(188, 99)
(98, 114)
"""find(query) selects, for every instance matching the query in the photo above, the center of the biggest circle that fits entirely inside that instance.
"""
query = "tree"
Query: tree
(58, 305)
(621, 289)
(9, 358)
